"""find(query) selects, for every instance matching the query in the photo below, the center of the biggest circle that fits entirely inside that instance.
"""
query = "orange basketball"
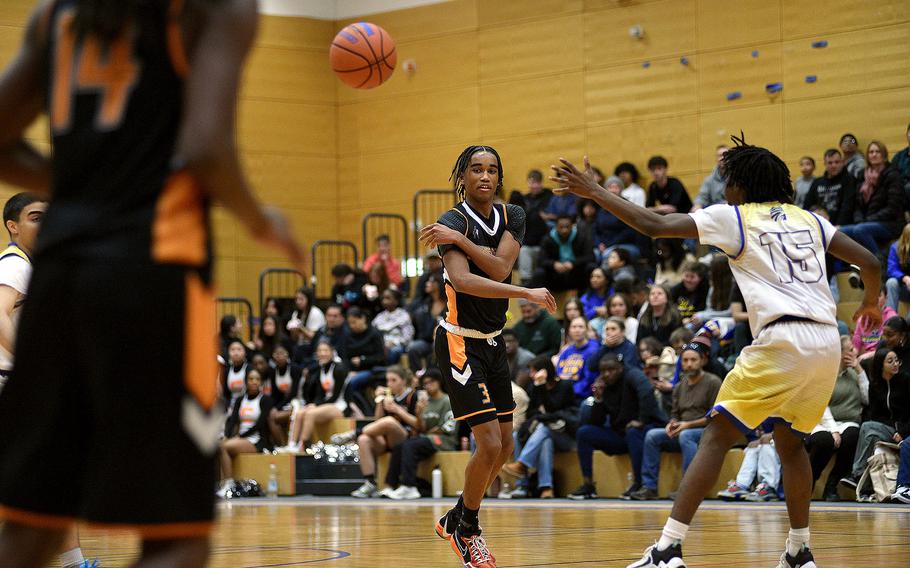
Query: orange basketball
(363, 55)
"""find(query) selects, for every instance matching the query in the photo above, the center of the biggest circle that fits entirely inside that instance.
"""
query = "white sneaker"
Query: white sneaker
(405, 493)
(289, 449)
(387, 492)
(902, 494)
(225, 487)
(365, 491)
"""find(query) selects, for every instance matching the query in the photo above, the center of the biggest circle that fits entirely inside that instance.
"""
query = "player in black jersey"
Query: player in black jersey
(479, 242)
(140, 97)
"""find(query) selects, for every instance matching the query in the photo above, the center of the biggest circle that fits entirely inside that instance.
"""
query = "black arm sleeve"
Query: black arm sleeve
(517, 222)
(456, 220)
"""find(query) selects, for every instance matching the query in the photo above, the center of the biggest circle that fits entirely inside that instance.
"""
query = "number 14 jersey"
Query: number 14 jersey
(777, 255)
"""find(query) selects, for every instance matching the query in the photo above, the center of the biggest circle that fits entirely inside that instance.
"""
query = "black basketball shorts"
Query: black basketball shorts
(477, 377)
(110, 415)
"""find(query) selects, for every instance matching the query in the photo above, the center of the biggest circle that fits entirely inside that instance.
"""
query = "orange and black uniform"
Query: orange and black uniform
(121, 291)
(469, 349)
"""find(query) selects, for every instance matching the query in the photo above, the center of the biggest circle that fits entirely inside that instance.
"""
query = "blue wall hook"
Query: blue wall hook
(774, 87)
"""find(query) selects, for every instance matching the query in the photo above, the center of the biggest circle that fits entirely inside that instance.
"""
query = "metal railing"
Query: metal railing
(327, 254)
(429, 204)
(280, 284)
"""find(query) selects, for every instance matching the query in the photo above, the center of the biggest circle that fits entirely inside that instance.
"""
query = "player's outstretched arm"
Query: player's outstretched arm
(21, 101)
(645, 221)
(206, 146)
(459, 273)
(848, 250)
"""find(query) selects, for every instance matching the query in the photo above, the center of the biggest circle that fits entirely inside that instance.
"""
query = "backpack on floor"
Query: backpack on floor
(881, 470)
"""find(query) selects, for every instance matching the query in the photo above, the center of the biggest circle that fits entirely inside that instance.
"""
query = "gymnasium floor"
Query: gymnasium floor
(344, 533)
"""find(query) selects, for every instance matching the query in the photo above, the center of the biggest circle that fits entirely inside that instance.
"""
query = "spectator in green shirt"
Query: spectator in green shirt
(538, 331)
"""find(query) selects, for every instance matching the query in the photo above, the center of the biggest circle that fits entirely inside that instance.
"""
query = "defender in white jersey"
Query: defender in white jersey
(787, 375)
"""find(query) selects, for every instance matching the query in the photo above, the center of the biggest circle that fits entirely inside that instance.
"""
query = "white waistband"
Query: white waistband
(465, 332)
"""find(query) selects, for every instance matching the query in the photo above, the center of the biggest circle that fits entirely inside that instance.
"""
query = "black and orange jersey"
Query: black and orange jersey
(486, 315)
(114, 110)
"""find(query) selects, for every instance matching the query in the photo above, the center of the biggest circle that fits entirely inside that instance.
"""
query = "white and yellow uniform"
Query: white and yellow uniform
(15, 272)
(777, 255)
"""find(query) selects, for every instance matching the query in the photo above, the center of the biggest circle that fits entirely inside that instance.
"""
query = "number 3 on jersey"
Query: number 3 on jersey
(486, 393)
(793, 256)
(110, 71)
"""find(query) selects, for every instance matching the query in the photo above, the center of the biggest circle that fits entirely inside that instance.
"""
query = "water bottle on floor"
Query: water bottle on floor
(272, 486)
(437, 483)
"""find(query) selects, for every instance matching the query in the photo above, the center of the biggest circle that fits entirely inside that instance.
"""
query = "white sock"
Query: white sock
(796, 539)
(674, 531)
(72, 557)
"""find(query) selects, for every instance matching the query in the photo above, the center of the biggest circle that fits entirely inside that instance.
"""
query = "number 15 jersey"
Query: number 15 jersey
(777, 255)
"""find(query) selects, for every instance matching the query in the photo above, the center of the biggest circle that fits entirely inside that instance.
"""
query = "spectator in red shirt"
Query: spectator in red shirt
(384, 256)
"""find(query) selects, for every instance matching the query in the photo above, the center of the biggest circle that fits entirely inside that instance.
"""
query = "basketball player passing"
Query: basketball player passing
(785, 378)
(141, 103)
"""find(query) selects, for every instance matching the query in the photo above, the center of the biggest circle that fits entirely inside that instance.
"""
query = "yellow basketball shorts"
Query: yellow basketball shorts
(787, 375)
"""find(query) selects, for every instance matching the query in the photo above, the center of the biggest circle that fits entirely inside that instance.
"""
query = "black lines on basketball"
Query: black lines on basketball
(359, 62)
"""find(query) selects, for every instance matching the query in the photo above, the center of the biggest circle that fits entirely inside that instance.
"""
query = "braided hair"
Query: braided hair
(758, 172)
(461, 166)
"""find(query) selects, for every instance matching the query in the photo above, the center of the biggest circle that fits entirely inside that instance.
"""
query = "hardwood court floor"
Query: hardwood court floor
(343, 533)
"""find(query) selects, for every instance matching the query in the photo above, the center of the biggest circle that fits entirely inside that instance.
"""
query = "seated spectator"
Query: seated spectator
(896, 336)
(550, 427)
(566, 256)
(383, 255)
(593, 301)
(901, 161)
(713, 186)
(246, 430)
(898, 273)
(233, 373)
(629, 175)
(761, 464)
(693, 398)
(535, 203)
(879, 211)
(432, 264)
(838, 432)
(690, 295)
(671, 255)
(271, 308)
(720, 287)
(853, 160)
(571, 310)
(306, 319)
(680, 337)
(619, 270)
(348, 288)
(426, 315)
(649, 347)
(364, 353)
(709, 363)
(587, 218)
(572, 362)
(615, 420)
(377, 283)
(335, 331)
(230, 330)
(260, 364)
(663, 373)
(396, 417)
(270, 336)
(322, 399)
(889, 412)
(902, 491)
(804, 182)
(618, 306)
(287, 387)
(614, 342)
(395, 325)
(866, 338)
(660, 317)
(538, 331)
(609, 231)
(564, 205)
(518, 358)
(666, 194)
(835, 191)
(436, 430)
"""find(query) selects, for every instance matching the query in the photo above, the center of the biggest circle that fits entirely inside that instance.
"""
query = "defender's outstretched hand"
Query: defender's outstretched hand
(573, 180)
(542, 297)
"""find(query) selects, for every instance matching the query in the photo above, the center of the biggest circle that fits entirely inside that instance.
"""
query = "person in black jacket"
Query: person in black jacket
(247, 428)
(835, 192)
(879, 210)
(566, 257)
(321, 399)
(552, 419)
(363, 353)
(426, 313)
(286, 387)
(889, 410)
(534, 204)
(615, 420)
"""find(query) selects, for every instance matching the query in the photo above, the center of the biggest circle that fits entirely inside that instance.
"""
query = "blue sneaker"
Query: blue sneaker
(90, 564)
(733, 492)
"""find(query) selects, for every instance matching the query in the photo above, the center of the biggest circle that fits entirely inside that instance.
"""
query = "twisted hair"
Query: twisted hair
(758, 172)
(461, 166)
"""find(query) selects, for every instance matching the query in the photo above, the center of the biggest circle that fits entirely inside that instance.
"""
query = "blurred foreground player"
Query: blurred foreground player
(479, 241)
(786, 376)
(140, 97)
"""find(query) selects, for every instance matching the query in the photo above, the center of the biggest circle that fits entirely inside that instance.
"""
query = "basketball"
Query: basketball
(363, 55)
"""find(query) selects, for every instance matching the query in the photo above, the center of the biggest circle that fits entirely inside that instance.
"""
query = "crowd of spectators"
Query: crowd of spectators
(647, 332)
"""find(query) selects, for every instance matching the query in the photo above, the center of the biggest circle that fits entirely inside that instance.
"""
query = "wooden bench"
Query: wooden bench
(257, 466)
(324, 432)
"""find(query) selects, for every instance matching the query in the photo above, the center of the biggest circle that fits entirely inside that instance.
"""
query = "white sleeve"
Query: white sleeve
(15, 272)
(720, 226)
(827, 229)
(315, 320)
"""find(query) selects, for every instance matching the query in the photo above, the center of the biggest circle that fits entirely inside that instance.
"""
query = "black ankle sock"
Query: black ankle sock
(460, 505)
(469, 518)
(370, 478)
